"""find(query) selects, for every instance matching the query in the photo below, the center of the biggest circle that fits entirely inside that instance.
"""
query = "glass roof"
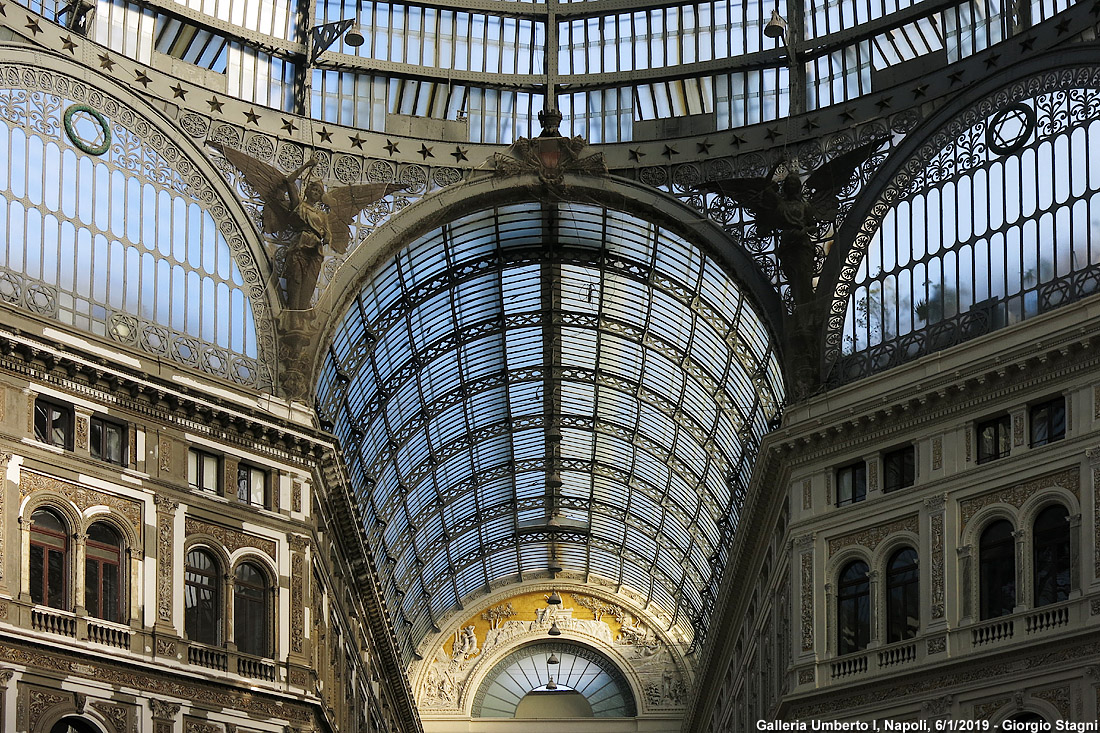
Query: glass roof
(543, 381)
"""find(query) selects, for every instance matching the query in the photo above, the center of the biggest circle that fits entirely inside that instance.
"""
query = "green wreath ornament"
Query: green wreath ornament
(79, 141)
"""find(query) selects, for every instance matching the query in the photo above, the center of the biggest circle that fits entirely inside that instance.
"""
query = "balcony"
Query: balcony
(109, 634)
(53, 621)
(993, 634)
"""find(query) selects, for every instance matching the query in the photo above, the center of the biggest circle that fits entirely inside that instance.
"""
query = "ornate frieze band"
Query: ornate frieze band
(1016, 495)
(871, 537)
(82, 496)
(232, 539)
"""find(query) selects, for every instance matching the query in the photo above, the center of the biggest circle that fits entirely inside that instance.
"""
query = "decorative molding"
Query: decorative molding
(807, 590)
(119, 717)
(1017, 430)
(163, 710)
(176, 686)
(871, 537)
(937, 538)
(165, 455)
(166, 648)
(987, 710)
(1059, 697)
(806, 676)
(82, 432)
(229, 472)
(937, 645)
(937, 453)
(231, 539)
(807, 495)
(82, 496)
(872, 475)
(937, 706)
(297, 602)
(1017, 494)
(39, 701)
(166, 530)
(197, 725)
(1096, 402)
(1094, 607)
(296, 496)
(968, 439)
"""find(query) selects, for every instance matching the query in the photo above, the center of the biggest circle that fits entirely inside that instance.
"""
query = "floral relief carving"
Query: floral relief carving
(968, 439)
(166, 522)
(40, 701)
(297, 602)
(84, 497)
(937, 540)
(166, 648)
(1018, 429)
(937, 645)
(118, 716)
(986, 710)
(872, 536)
(807, 494)
(165, 455)
(164, 710)
(872, 475)
(232, 539)
(82, 432)
(1017, 494)
(937, 453)
(1096, 402)
(195, 725)
(806, 676)
(807, 589)
(1058, 697)
(296, 496)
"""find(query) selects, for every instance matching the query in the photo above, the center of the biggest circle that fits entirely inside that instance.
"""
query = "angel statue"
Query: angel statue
(793, 209)
(293, 203)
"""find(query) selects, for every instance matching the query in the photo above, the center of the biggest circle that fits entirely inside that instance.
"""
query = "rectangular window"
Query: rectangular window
(252, 485)
(899, 468)
(108, 441)
(1048, 421)
(53, 423)
(202, 471)
(994, 438)
(851, 484)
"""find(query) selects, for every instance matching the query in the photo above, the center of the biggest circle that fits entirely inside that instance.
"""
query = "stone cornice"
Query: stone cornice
(936, 388)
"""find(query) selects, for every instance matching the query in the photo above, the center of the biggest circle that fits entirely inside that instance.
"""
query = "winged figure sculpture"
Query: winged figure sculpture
(793, 209)
(298, 203)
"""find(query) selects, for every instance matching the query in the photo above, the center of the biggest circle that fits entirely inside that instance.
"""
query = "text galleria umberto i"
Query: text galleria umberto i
(608, 366)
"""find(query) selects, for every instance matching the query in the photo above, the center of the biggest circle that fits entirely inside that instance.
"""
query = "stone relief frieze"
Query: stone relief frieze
(1017, 494)
(232, 539)
(446, 682)
(871, 537)
(82, 496)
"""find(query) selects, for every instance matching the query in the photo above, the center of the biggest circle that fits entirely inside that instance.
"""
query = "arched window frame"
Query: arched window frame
(844, 593)
(49, 540)
(122, 614)
(1029, 513)
(910, 590)
(269, 600)
(985, 560)
(219, 580)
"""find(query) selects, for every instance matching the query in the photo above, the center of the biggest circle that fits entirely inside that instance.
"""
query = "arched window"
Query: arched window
(997, 570)
(73, 724)
(1051, 561)
(251, 610)
(902, 596)
(853, 609)
(49, 561)
(103, 573)
(202, 599)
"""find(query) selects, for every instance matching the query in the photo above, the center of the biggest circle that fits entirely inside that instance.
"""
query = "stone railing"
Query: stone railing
(109, 634)
(53, 621)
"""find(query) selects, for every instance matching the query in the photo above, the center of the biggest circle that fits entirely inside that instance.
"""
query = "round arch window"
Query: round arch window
(529, 683)
(73, 724)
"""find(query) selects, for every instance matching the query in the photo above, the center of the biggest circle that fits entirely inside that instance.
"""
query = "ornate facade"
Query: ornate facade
(655, 363)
